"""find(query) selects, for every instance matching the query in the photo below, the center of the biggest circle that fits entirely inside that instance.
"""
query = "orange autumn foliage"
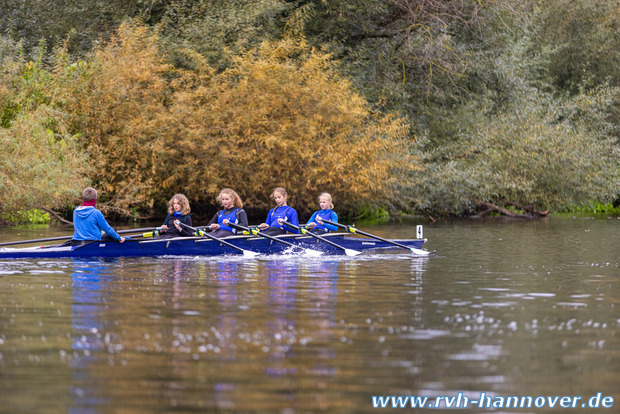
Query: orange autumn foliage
(116, 96)
(280, 116)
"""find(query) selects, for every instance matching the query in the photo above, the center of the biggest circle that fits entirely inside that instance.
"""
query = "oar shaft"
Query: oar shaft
(35, 240)
(217, 239)
(315, 236)
(348, 228)
(267, 236)
(136, 230)
(68, 237)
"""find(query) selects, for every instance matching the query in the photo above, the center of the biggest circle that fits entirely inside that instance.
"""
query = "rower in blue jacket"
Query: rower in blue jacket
(233, 213)
(275, 224)
(315, 224)
(88, 222)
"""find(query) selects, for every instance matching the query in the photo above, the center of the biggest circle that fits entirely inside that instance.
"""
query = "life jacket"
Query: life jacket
(171, 216)
(233, 217)
(172, 230)
(279, 213)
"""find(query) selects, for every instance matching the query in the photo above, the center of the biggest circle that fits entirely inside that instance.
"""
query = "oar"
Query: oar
(350, 229)
(137, 230)
(349, 252)
(68, 237)
(36, 240)
(246, 253)
(267, 236)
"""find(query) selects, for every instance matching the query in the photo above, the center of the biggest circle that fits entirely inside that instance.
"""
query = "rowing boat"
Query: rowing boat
(200, 246)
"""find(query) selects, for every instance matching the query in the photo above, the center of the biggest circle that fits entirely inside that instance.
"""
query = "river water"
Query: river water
(504, 308)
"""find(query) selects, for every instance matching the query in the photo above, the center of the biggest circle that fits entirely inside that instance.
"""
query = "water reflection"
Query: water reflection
(226, 275)
(418, 266)
(323, 297)
(89, 280)
(300, 356)
(280, 327)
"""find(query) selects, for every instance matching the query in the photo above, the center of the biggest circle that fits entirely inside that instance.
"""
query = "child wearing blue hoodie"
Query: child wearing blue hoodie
(88, 222)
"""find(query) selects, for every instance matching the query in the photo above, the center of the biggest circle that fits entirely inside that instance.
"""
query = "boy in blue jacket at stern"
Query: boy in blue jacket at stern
(88, 222)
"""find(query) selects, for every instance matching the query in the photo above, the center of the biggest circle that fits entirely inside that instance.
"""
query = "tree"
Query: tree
(529, 155)
(42, 162)
(279, 116)
(282, 116)
(52, 21)
(218, 30)
(580, 40)
(115, 97)
(408, 54)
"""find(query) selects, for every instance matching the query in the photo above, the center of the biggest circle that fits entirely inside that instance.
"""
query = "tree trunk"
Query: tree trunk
(528, 209)
(488, 207)
(55, 215)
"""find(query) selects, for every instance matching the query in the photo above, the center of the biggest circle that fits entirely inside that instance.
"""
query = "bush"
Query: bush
(531, 153)
(280, 116)
(34, 216)
(43, 163)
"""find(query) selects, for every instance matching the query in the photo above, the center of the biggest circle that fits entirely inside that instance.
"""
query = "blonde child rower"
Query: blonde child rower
(315, 224)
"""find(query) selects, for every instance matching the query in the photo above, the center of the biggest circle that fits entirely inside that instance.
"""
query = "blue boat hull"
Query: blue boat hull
(193, 246)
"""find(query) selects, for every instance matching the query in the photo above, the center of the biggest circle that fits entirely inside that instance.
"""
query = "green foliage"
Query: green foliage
(370, 215)
(34, 216)
(594, 208)
(42, 160)
(52, 21)
(11, 63)
(514, 142)
(528, 153)
(42, 163)
(406, 55)
(218, 30)
(580, 40)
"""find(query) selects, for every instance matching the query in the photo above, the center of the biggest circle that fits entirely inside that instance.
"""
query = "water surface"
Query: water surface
(504, 307)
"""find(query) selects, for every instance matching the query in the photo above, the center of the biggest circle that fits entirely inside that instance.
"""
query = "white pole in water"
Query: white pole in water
(418, 232)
